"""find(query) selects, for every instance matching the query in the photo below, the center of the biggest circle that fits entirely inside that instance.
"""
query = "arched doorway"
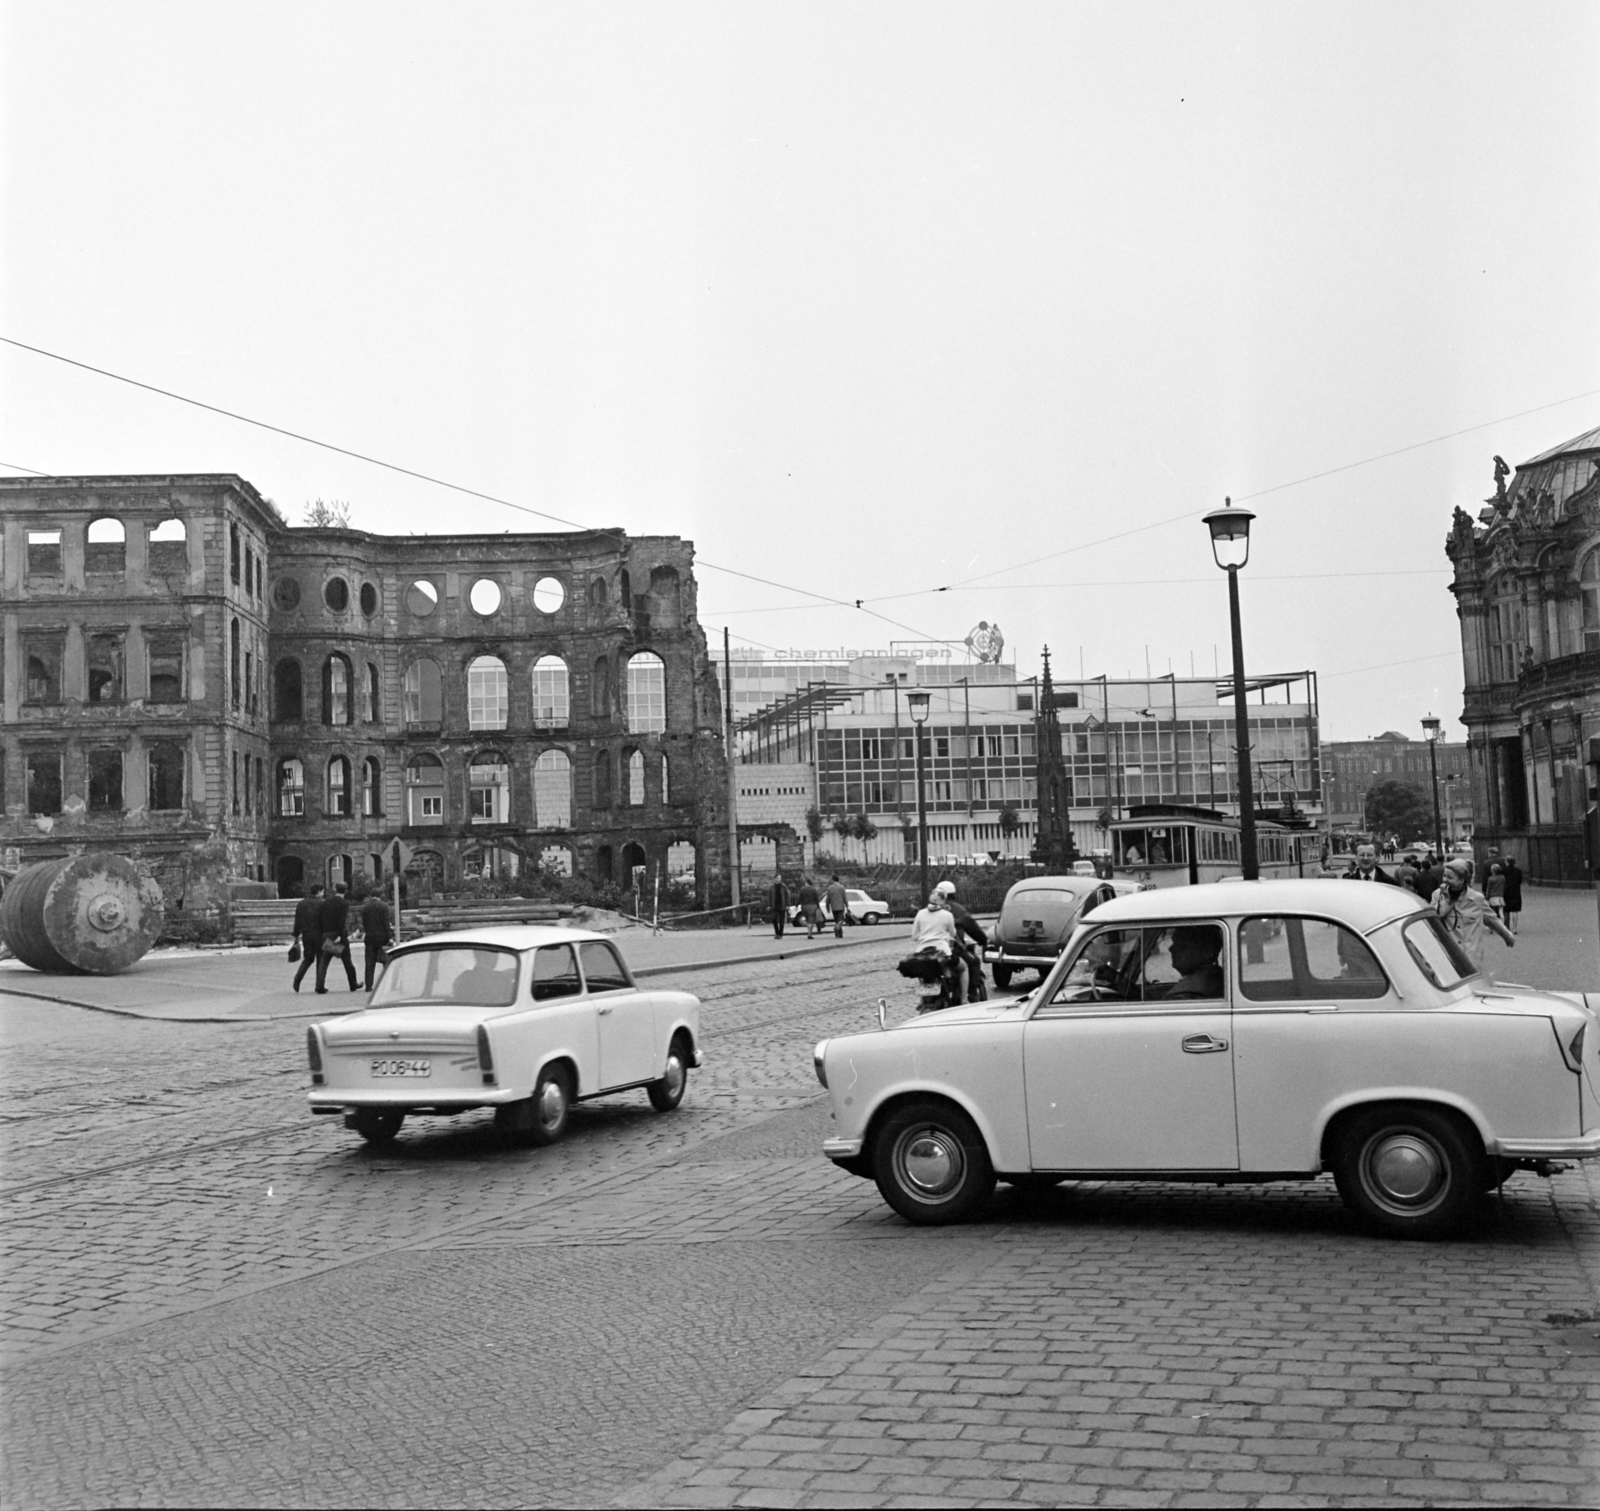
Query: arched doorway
(291, 876)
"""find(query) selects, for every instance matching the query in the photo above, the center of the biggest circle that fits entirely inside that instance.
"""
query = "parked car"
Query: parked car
(526, 1020)
(1260, 1031)
(858, 908)
(1036, 919)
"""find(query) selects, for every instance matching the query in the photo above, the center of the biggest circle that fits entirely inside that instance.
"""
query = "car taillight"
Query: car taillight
(1574, 1048)
(485, 1058)
(314, 1055)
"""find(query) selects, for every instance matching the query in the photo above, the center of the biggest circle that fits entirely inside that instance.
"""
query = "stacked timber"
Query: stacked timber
(263, 920)
(436, 917)
(89, 914)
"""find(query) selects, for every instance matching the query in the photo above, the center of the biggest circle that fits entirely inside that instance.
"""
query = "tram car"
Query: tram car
(1170, 845)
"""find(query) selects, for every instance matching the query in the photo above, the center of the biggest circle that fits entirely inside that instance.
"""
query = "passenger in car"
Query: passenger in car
(1195, 952)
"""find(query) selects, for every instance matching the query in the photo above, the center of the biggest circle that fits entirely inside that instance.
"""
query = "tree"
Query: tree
(862, 828)
(1010, 820)
(814, 823)
(1399, 809)
(1102, 819)
(334, 515)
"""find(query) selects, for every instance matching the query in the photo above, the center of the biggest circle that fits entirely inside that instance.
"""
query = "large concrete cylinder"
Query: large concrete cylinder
(89, 914)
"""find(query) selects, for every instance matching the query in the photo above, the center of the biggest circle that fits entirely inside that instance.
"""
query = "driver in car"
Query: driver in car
(1195, 953)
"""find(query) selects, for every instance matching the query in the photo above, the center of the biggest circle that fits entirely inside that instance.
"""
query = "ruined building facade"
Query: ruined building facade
(491, 702)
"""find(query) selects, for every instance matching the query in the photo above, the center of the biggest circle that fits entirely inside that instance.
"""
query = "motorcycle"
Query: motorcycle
(934, 971)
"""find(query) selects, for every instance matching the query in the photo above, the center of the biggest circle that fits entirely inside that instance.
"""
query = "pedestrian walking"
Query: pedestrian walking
(1513, 893)
(1429, 876)
(1465, 911)
(307, 932)
(778, 901)
(334, 915)
(837, 902)
(808, 906)
(377, 934)
(1494, 890)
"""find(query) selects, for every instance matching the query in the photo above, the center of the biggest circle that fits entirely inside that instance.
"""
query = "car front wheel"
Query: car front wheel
(666, 1093)
(930, 1163)
(1413, 1172)
(1002, 977)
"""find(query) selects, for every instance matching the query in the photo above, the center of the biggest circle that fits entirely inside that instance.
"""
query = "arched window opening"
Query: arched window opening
(489, 789)
(487, 693)
(550, 705)
(625, 590)
(291, 788)
(167, 550)
(235, 556)
(338, 788)
(600, 689)
(491, 863)
(1589, 589)
(556, 859)
(425, 790)
(647, 694)
(336, 689)
(424, 693)
(105, 668)
(167, 762)
(286, 696)
(425, 870)
(682, 865)
(666, 600)
(371, 788)
(602, 779)
(552, 791)
(341, 871)
(635, 867)
(599, 593)
(602, 863)
(370, 701)
(635, 778)
(106, 546)
(291, 876)
(235, 660)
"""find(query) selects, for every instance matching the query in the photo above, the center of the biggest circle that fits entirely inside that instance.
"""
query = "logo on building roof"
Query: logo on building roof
(986, 642)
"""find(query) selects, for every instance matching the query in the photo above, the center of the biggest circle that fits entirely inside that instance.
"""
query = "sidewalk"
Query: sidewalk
(247, 985)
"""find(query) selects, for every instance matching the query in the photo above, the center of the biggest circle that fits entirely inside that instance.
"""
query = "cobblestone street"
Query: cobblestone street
(210, 1298)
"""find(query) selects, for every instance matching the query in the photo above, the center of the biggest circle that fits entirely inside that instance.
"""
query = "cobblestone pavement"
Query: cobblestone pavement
(208, 1298)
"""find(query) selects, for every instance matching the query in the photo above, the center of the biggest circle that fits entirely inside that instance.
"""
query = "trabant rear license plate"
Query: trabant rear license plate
(402, 1067)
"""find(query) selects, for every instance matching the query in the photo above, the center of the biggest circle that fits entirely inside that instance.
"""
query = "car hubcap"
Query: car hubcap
(1405, 1171)
(931, 1163)
(673, 1079)
(552, 1103)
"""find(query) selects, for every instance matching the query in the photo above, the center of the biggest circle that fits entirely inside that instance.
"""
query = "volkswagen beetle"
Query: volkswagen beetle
(1257, 1031)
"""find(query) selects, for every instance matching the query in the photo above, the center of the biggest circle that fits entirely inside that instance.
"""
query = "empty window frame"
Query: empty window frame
(235, 660)
(647, 694)
(371, 700)
(42, 769)
(167, 761)
(636, 778)
(371, 788)
(425, 790)
(600, 688)
(41, 659)
(424, 693)
(552, 791)
(291, 788)
(602, 779)
(666, 787)
(168, 548)
(235, 556)
(44, 553)
(287, 698)
(489, 789)
(336, 689)
(338, 790)
(551, 709)
(164, 655)
(105, 547)
(487, 693)
(105, 781)
(261, 787)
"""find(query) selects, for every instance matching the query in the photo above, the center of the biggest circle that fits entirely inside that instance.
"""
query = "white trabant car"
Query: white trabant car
(1259, 1031)
(525, 1020)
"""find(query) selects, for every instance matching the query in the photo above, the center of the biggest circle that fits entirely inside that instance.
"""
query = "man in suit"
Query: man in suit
(377, 933)
(778, 901)
(334, 916)
(308, 931)
(1367, 868)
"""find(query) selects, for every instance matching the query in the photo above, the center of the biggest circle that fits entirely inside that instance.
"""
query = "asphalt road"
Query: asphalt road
(209, 1298)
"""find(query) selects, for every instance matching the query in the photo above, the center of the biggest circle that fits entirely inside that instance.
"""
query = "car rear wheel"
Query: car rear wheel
(930, 1163)
(377, 1125)
(666, 1093)
(541, 1118)
(1413, 1172)
(869, 918)
(1002, 977)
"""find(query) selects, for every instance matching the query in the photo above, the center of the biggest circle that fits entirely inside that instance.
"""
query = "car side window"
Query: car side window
(1162, 963)
(555, 973)
(603, 970)
(1106, 970)
(488, 978)
(1285, 959)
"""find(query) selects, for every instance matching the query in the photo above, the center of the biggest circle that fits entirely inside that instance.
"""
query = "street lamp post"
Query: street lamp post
(1230, 545)
(1430, 728)
(917, 703)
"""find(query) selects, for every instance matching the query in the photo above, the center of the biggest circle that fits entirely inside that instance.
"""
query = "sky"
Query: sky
(869, 301)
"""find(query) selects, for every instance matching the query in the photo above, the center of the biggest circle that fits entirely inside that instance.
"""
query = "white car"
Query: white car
(525, 1020)
(1260, 1031)
(858, 908)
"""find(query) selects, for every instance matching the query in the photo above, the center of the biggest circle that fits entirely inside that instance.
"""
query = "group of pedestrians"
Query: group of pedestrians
(1469, 915)
(811, 903)
(322, 935)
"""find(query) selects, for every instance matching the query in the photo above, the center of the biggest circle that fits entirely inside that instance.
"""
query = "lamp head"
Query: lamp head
(1430, 727)
(1230, 534)
(917, 703)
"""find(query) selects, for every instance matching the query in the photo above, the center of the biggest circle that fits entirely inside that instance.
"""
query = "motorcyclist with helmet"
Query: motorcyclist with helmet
(971, 988)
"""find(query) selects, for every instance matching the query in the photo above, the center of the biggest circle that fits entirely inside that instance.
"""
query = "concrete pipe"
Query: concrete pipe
(88, 914)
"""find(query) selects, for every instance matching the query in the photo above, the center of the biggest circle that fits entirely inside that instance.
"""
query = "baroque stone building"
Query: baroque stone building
(1527, 586)
(489, 701)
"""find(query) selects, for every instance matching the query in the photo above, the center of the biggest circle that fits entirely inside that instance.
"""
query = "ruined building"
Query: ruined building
(190, 681)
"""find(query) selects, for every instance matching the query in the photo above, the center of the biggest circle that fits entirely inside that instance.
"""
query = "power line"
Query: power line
(18, 467)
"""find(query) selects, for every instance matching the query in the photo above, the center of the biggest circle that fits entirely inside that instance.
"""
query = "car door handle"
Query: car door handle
(602, 1011)
(1203, 1044)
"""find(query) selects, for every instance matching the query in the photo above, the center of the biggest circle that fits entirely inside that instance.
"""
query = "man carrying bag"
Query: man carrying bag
(377, 934)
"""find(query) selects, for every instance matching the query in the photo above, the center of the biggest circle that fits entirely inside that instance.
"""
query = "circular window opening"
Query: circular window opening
(485, 597)
(286, 593)
(422, 598)
(337, 594)
(548, 595)
(369, 599)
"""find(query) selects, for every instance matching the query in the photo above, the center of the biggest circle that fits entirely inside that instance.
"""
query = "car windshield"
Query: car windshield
(455, 975)
(1436, 952)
